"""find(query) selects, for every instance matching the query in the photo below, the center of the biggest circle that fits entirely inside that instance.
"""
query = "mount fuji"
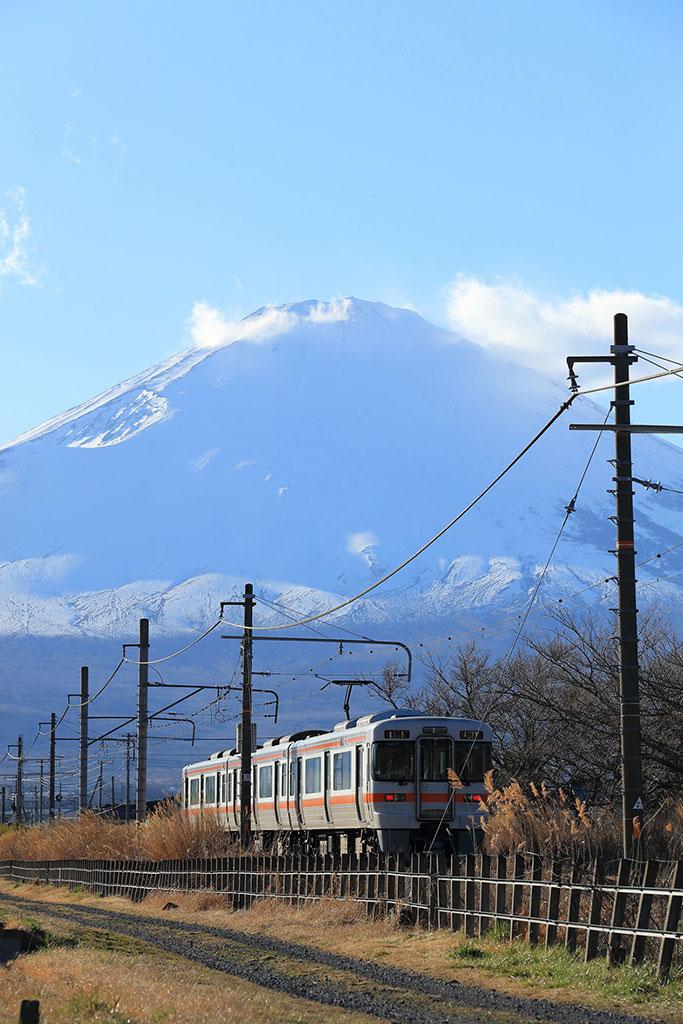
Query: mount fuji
(309, 450)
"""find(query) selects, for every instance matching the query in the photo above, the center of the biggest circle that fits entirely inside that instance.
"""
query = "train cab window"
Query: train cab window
(341, 770)
(265, 781)
(312, 775)
(194, 792)
(435, 759)
(472, 760)
(210, 789)
(393, 761)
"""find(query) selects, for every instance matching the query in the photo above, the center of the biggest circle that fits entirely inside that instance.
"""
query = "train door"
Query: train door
(361, 805)
(434, 758)
(298, 775)
(327, 785)
(276, 791)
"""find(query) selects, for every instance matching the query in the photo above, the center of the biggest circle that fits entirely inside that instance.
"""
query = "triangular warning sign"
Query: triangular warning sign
(638, 805)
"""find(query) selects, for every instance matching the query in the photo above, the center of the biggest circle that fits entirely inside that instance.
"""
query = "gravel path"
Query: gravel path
(380, 991)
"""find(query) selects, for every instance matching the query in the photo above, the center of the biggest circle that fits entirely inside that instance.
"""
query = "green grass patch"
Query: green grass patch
(559, 968)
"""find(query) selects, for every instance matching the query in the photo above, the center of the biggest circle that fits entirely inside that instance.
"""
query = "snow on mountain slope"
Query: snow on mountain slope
(311, 450)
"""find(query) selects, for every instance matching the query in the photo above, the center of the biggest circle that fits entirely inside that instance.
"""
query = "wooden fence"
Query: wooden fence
(630, 915)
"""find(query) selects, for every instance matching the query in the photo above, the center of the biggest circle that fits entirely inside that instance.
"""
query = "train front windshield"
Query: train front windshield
(393, 761)
(472, 760)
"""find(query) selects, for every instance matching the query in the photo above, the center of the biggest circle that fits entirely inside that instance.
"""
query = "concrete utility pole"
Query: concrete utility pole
(83, 738)
(143, 698)
(18, 799)
(245, 746)
(128, 739)
(42, 783)
(621, 358)
(51, 783)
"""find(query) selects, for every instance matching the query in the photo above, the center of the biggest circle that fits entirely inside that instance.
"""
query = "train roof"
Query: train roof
(387, 715)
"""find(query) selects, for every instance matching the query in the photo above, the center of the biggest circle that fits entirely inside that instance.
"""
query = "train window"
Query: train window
(312, 775)
(393, 761)
(228, 788)
(194, 792)
(220, 783)
(210, 789)
(265, 781)
(472, 760)
(435, 759)
(283, 777)
(341, 771)
(293, 782)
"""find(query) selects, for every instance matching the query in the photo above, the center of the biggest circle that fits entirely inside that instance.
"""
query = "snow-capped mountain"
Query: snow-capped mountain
(309, 457)
(316, 449)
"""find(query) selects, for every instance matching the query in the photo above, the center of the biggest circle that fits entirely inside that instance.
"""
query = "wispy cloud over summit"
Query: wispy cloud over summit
(209, 328)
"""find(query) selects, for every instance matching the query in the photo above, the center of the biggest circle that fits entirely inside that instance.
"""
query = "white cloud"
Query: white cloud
(363, 544)
(539, 332)
(330, 312)
(209, 328)
(203, 461)
(282, 490)
(16, 248)
(244, 463)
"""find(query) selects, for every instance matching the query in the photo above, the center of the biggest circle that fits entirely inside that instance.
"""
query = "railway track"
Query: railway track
(360, 986)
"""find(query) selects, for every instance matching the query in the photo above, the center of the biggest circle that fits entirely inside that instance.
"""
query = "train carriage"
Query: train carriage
(381, 780)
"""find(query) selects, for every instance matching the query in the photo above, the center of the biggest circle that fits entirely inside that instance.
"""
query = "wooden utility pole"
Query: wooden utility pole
(143, 699)
(245, 746)
(83, 741)
(51, 782)
(622, 356)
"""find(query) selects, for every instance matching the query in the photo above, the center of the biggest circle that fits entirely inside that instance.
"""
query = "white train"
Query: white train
(380, 780)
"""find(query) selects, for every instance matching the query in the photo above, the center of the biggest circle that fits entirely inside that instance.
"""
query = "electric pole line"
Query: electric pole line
(42, 781)
(51, 782)
(621, 358)
(246, 738)
(143, 723)
(83, 736)
(18, 797)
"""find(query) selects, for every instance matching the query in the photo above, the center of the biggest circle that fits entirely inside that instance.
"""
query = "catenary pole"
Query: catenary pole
(245, 745)
(18, 798)
(631, 752)
(83, 773)
(128, 739)
(143, 698)
(51, 779)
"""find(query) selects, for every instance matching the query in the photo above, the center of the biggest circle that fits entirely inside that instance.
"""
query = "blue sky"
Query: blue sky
(496, 165)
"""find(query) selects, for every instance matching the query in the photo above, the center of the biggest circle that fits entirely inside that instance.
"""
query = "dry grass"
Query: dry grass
(125, 984)
(557, 825)
(167, 834)
(342, 927)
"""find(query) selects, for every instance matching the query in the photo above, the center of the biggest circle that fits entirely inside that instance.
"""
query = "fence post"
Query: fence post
(644, 910)
(553, 907)
(517, 893)
(673, 913)
(592, 934)
(501, 888)
(573, 907)
(484, 894)
(535, 897)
